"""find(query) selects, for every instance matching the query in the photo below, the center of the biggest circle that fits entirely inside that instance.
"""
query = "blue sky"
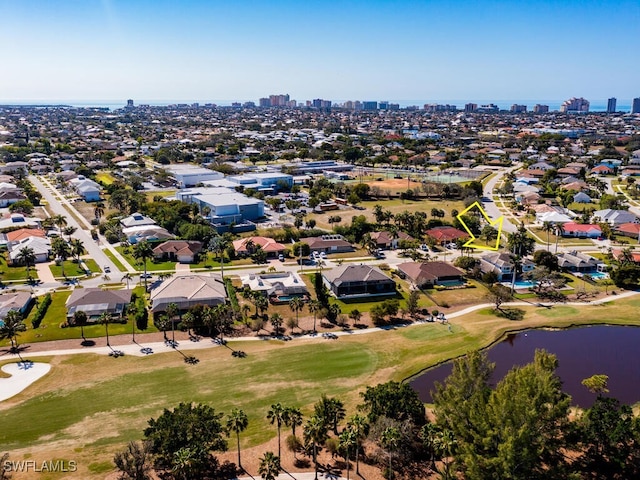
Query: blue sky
(378, 50)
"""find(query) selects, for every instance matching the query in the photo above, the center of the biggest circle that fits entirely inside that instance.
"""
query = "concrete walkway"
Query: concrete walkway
(148, 348)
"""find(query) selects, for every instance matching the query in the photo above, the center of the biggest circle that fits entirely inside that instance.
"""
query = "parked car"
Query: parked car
(281, 257)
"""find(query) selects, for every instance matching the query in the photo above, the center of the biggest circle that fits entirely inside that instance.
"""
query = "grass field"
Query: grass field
(72, 268)
(89, 406)
(105, 177)
(115, 261)
(152, 266)
(394, 206)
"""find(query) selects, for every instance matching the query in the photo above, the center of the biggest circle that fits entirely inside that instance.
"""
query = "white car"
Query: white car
(323, 255)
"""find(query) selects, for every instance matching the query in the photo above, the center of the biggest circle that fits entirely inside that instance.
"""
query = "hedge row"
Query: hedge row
(42, 310)
(231, 292)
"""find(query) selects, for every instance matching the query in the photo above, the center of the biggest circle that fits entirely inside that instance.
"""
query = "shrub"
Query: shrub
(231, 292)
(41, 311)
(293, 443)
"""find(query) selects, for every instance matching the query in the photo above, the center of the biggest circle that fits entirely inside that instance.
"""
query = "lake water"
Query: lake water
(581, 352)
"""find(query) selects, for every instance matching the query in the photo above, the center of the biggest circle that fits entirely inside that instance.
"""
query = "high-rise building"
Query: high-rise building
(635, 106)
(129, 103)
(369, 105)
(383, 105)
(611, 105)
(264, 102)
(575, 105)
(518, 108)
(540, 108)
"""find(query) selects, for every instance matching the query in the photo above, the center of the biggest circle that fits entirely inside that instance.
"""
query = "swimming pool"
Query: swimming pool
(521, 284)
(598, 275)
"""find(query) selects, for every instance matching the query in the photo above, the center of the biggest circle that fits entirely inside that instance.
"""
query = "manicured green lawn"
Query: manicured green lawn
(115, 261)
(88, 406)
(72, 269)
(152, 266)
(56, 315)
(11, 273)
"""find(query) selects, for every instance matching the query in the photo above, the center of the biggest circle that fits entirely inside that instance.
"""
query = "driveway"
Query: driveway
(490, 206)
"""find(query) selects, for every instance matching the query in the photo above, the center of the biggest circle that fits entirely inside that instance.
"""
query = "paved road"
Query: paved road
(490, 206)
(56, 207)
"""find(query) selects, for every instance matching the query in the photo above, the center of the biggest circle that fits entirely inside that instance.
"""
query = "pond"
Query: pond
(581, 352)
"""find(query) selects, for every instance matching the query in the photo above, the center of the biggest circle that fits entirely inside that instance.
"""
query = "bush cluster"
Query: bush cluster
(41, 311)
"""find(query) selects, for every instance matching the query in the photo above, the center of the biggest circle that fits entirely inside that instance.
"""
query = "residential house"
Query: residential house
(247, 246)
(578, 230)
(446, 234)
(430, 273)
(328, 244)
(614, 217)
(187, 290)
(41, 249)
(350, 281)
(86, 188)
(626, 255)
(581, 197)
(136, 220)
(280, 284)
(17, 220)
(502, 264)
(602, 170)
(387, 240)
(18, 301)
(95, 301)
(552, 217)
(151, 233)
(181, 251)
(629, 230)
(20, 234)
(9, 195)
(579, 262)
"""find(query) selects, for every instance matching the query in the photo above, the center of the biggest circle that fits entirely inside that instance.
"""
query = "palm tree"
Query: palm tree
(559, 231)
(27, 257)
(80, 318)
(314, 307)
(98, 211)
(359, 425)
(547, 227)
(127, 277)
(59, 221)
(276, 322)
(162, 323)
(188, 321)
(171, 311)
(237, 422)
(104, 319)
(348, 440)
(277, 415)
(142, 250)
(12, 326)
(296, 304)
(77, 248)
(261, 303)
(68, 231)
(315, 432)
(389, 439)
(294, 416)
(61, 249)
(269, 466)
(218, 245)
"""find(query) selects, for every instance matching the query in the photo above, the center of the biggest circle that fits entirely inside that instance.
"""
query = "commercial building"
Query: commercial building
(515, 108)
(225, 208)
(635, 106)
(611, 105)
(190, 175)
(538, 108)
(575, 105)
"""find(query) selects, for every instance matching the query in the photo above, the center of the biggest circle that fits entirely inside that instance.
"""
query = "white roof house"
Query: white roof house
(285, 282)
(136, 219)
(41, 248)
(553, 217)
(146, 232)
(189, 175)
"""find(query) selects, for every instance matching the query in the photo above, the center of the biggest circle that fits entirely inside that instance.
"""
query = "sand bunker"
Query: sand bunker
(22, 374)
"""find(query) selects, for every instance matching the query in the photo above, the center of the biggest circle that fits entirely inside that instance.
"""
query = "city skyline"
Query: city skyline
(112, 50)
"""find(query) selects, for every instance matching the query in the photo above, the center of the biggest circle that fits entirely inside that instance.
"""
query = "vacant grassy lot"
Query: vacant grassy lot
(88, 406)
(394, 205)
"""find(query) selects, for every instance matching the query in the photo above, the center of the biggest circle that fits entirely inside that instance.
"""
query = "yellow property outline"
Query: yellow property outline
(493, 223)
